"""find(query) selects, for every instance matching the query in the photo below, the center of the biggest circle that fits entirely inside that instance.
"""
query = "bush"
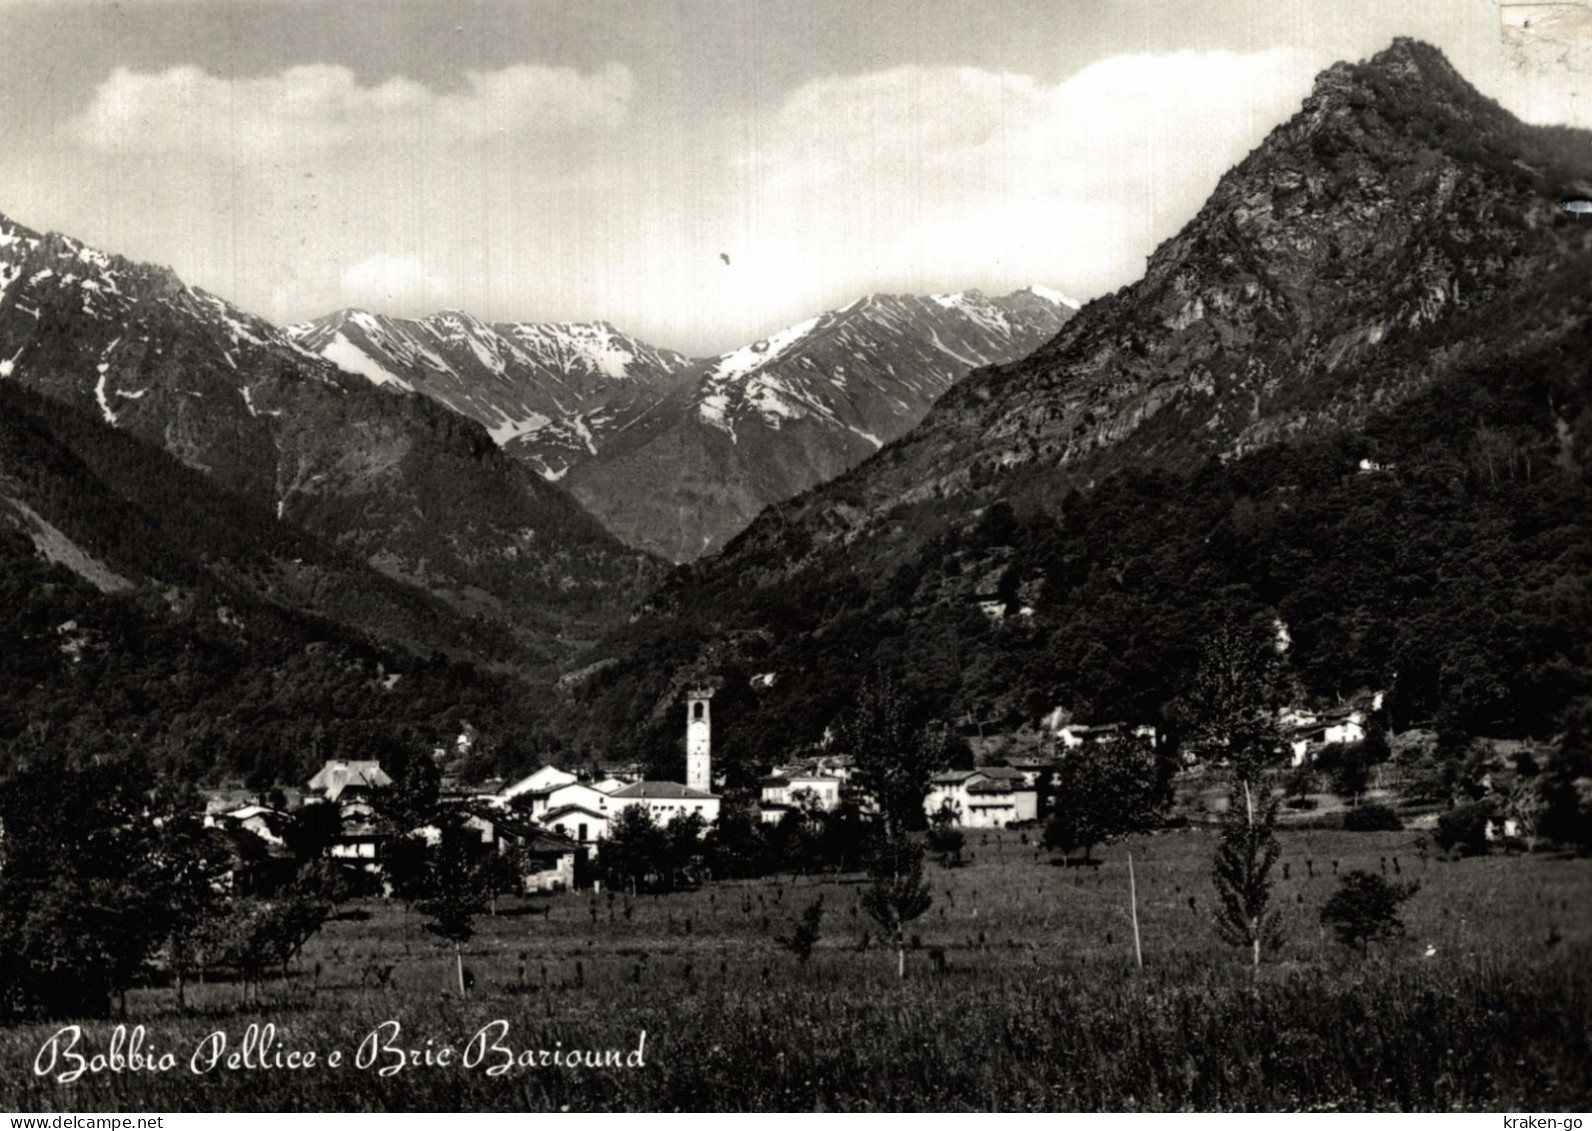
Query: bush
(1365, 908)
(1464, 828)
(1372, 819)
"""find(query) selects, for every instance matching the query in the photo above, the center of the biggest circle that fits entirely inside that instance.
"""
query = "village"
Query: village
(552, 824)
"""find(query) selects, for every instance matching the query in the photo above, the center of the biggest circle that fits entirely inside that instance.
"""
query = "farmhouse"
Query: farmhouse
(1338, 727)
(549, 861)
(1033, 768)
(991, 797)
(349, 785)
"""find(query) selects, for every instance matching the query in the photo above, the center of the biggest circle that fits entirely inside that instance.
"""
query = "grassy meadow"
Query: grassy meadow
(1021, 993)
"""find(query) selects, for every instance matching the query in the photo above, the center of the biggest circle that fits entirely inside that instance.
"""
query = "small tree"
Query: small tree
(736, 846)
(898, 893)
(502, 873)
(191, 869)
(683, 849)
(459, 888)
(806, 932)
(1105, 791)
(1347, 769)
(1242, 872)
(846, 833)
(945, 839)
(260, 933)
(1365, 909)
(1463, 829)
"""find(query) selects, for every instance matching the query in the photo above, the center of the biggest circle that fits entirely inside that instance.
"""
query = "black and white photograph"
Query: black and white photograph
(795, 555)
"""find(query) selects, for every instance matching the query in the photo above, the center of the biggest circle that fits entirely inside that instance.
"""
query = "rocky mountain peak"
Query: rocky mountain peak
(1394, 203)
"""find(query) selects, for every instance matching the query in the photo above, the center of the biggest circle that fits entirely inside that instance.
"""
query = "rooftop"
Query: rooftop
(663, 790)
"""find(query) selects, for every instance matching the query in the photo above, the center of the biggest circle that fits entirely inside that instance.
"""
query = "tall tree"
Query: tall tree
(81, 897)
(191, 871)
(1230, 707)
(1566, 786)
(894, 754)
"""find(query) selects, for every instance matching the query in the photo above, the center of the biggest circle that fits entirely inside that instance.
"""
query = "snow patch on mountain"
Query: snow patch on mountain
(99, 394)
(1054, 296)
(744, 360)
(512, 429)
(351, 359)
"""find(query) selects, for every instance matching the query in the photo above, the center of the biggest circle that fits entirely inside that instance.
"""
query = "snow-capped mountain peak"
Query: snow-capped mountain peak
(514, 378)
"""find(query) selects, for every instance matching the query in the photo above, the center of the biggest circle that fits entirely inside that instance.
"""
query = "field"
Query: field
(1022, 994)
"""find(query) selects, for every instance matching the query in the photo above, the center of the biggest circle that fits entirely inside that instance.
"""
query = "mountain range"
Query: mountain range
(1349, 403)
(675, 457)
(419, 493)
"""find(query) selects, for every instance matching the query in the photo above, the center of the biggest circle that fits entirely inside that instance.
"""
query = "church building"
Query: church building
(667, 799)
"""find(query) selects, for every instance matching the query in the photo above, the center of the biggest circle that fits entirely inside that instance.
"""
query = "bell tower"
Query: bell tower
(698, 740)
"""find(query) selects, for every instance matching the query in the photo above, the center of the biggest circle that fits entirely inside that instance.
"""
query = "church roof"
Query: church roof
(663, 790)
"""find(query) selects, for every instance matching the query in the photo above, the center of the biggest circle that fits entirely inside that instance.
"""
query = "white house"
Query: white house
(784, 792)
(665, 800)
(544, 778)
(582, 825)
(539, 802)
(990, 797)
(1332, 728)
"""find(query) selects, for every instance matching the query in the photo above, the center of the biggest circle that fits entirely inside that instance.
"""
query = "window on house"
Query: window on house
(583, 831)
(696, 710)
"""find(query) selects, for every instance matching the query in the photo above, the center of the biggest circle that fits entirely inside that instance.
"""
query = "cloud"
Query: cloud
(386, 281)
(320, 107)
(947, 172)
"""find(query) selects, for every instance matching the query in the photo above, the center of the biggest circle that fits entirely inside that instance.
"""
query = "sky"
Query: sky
(698, 172)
